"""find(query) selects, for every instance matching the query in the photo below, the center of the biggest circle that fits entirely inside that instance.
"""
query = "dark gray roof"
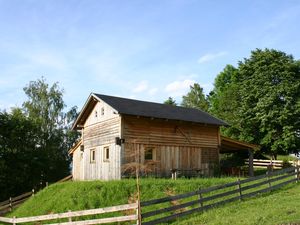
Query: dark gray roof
(157, 110)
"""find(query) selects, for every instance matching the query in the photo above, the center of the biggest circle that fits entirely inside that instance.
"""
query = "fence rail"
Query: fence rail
(271, 163)
(14, 202)
(75, 214)
(195, 201)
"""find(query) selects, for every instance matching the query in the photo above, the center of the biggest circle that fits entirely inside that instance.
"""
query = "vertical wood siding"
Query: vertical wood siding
(100, 131)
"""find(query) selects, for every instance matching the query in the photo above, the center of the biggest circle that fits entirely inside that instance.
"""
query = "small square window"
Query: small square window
(106, 153)
(93, 155)
(149, 154)
(102, 111)
(96, 114)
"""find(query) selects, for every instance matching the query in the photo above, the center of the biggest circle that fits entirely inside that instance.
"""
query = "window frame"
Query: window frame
(93, 155)
(106, 154)
(149, 149)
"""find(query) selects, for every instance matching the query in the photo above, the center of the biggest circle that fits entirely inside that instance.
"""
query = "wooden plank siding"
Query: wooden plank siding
(99, 132)
(176, 145)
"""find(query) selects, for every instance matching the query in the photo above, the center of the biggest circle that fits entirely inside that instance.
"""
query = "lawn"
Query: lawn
(278, 207)
(81, 195)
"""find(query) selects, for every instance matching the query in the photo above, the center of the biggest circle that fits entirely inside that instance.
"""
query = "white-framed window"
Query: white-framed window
(106, 153)
(93, 155)
(102, 111)
(148, 154)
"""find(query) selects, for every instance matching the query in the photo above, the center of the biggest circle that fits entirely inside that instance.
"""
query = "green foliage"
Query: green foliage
(35, 140)
(261, 101)
(270, 100)
(170, 101)
(19, 157)
(45, 107)
(195, 98)
(224, 100)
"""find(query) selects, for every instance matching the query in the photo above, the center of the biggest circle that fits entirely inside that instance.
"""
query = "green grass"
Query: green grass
(95, 194)
(278, 207)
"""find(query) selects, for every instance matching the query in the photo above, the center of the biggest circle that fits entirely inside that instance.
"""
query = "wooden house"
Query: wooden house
(118, 131)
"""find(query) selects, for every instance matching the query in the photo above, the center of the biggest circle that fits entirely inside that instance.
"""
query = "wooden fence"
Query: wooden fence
(270, 163)
(161, 210)
(14, 202)
(72, 218)
(169, 208)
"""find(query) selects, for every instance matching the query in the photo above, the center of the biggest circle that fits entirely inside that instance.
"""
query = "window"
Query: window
(106, 153)
(93, 155)
(149, 154)
(102, 111)
(96, 114)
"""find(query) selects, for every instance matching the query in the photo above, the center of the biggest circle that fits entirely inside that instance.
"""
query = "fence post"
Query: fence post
(297, 173)
(268, 177)
(32, 191)
(239, 187)
(14, 220)
(70, 217)
(138, 214)
(10, 204)
(200, 198)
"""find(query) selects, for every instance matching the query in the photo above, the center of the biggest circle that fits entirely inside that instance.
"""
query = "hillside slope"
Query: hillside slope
(279, 207)
(66, 196)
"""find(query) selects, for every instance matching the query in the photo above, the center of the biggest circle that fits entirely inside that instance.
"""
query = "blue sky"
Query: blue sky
(140, 49)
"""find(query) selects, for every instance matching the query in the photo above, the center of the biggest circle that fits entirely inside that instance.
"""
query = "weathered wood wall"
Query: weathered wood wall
(99, 132)
(76, 164)
(177, 145)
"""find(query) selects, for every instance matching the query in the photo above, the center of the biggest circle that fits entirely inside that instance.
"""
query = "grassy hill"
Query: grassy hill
(279, 207)
(66, 196)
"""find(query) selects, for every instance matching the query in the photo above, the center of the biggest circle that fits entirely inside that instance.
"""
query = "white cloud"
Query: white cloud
(152, 91)
(179, 88)
(142, 86)
(210, 56)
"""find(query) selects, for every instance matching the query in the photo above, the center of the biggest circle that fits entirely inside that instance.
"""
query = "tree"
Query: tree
(170, 101)
(45, 107)
(270, 100)
(195, 98)
(224, 100)
(20, 159)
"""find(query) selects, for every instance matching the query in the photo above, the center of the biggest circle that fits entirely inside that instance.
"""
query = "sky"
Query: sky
(141, 49)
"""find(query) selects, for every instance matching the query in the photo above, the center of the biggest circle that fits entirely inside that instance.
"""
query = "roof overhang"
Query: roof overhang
(77, 144)
(232, 145)
(85, 111)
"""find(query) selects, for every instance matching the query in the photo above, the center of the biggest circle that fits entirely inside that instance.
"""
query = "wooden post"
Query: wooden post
(175, 174)
(297, 173)
(137, 215)
(70, 218)
(47, 184)
(14, 220)
(239, 187)
(200, 198)
(268, 177)
(251, 172)
(32, 191)
(10, 204)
